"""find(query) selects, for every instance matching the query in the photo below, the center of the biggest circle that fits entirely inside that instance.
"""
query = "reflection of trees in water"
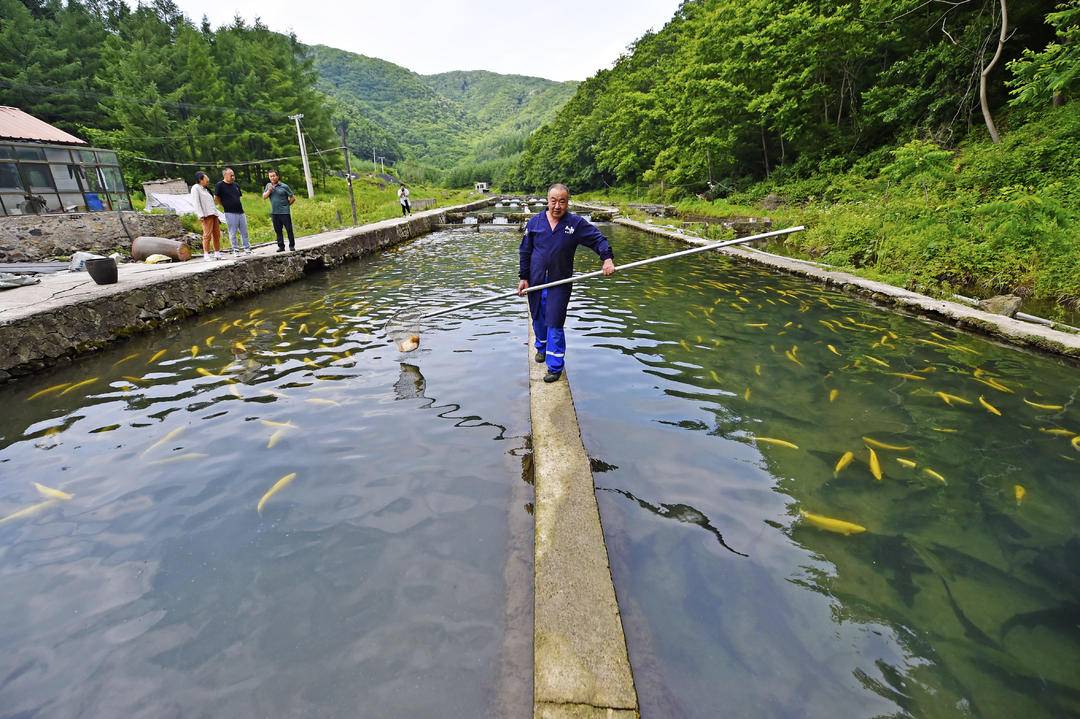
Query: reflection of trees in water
(412, 385)
(680, 512)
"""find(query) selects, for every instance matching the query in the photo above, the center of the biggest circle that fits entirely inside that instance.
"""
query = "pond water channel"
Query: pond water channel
(718, 399)
(718, 403)
(371, 583)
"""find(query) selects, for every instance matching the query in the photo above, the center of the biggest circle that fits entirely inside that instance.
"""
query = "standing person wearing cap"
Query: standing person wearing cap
(546, 255)
(204, 208)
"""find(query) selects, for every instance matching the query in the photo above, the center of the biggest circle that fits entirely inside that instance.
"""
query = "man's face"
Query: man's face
(228, 175)
(273, 178)
(558, 202)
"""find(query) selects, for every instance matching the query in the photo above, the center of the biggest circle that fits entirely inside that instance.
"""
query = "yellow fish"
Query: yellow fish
(944, 429)
(50, 493)
(235, 391)
(1057, 432)
(276, 437)
(224, 328)
(757, 370)
(746, 394)
(272, 423)
(122, 360)
(682, 343)
(715, 377)
(882, 445)
(834, 350)
(303, 328)
(931, 473)
(205, 372)
(1019, 492)
(210, 341)
(759, 325)
(77, 385)
(329, 402)
(875, 465)
(905, 375)
(1075, 442)
(910, 464)
(989, 407)
(255, 313)
(875, 360)
(943, 339)
(993, 383)
(838, 526)
(239, 346)
(950, 398)
(278, 486)
(186, 457)
(133, 380)
(1048, 407)
(845, 459)
(777, 442)
(49, 390)
(281, 329)
(791, 356)
(194, 351)
(169, 436)
(28, 511)
(833, 394)
(156, 356)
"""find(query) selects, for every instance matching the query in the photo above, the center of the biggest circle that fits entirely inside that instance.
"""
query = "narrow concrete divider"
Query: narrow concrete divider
(580, 662)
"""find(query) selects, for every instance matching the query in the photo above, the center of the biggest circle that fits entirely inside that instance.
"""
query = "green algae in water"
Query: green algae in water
(959, 600)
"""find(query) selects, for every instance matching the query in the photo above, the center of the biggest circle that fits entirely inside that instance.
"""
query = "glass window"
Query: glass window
(65, 177)
(52, 202)
(57, 154)
(6, 152)
(93, 179)
(114, 181)
(11, 203)
(29, 153)
(94, 201)
(73, 203)
(86, 156)
(119, 202)
(107, 158)
(9, 176)
(37, 176)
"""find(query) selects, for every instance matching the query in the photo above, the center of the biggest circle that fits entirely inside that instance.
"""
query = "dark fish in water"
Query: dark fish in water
(1060, 620)
(681, 512)
(971, 631)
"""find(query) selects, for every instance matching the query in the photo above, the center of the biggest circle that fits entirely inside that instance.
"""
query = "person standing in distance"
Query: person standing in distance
(546, 254)
(281, 197)
(403, 198)
(227, 195)
(204, 208)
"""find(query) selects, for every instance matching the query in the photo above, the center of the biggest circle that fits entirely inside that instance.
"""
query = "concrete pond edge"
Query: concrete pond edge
(581, 667)
(56, 327)
(1006, 329)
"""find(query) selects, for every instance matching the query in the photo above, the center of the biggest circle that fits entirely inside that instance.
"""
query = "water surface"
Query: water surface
(370, 584)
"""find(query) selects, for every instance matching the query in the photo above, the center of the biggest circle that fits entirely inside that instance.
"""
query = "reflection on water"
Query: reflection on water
(727, 397)
(268, 513)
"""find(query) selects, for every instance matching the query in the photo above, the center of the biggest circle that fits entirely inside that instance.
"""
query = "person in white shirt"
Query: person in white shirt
(204, 208)
(403, 198)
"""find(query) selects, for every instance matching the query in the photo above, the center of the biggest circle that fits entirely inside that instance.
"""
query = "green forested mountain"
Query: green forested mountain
(731, 90)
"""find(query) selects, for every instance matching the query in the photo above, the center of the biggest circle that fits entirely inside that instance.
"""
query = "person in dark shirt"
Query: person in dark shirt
(227, 195)
(546, 255)
(281, 198)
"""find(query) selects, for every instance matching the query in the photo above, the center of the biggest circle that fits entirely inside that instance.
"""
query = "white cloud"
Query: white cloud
(556, 39)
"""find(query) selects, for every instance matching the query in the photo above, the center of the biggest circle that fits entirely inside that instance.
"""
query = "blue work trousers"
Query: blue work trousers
(549, 340)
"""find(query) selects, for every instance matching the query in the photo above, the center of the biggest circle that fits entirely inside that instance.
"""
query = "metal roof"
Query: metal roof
(17, 125)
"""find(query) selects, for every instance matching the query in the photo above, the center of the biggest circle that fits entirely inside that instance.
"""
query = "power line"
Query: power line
(215, 163)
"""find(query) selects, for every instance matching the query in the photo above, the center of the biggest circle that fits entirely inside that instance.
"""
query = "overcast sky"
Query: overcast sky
(556, 39)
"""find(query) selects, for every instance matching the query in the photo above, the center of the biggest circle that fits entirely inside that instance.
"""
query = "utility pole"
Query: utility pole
(382, 164)
(348, 168)
(374, 165)
(303, 156)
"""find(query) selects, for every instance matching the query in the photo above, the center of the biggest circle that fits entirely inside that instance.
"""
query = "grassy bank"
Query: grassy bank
(979, 219)
(374, 201)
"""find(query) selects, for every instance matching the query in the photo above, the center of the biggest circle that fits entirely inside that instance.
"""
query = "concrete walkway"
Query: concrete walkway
(580, 663)
(67, 314)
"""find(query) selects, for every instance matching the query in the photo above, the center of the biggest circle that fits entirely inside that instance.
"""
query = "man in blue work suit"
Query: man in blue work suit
(546, 255)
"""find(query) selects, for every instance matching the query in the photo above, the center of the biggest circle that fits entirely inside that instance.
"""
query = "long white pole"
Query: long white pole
(620, 268)
(303, 156)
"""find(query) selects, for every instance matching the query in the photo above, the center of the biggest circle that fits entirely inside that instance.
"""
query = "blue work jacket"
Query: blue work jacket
(547, 255)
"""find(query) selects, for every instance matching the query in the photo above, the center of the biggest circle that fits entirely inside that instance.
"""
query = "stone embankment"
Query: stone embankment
(67, 314)
(35, 238)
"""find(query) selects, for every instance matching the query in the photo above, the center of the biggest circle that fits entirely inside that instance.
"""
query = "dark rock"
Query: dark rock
(1007, 305)
(771, 201)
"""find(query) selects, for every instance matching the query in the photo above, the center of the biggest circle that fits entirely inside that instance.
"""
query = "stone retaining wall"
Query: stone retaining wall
(56, 331)
(35, 238)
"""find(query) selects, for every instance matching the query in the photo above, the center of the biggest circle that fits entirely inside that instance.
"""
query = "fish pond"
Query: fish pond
(269, 511)
(818, 508)
(813, 507)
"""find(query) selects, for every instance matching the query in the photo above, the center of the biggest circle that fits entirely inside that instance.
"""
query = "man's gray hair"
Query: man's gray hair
(560, 187)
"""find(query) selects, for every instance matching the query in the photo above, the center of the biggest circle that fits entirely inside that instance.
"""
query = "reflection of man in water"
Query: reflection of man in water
(546, 255)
